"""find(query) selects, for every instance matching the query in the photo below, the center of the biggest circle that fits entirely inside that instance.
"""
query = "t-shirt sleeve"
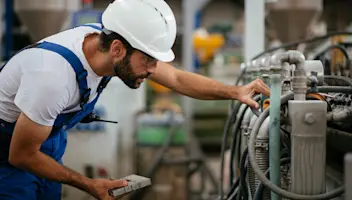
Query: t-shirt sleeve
(42, 96)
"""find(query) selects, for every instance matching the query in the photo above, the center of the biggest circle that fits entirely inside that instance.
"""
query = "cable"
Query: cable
(234, 137)
(233, 189)
(243, 174)
(342, 78)
(337, 89)
(291, 44)
(336, 46)
(251, 151)
(224, 138)
(259, 192)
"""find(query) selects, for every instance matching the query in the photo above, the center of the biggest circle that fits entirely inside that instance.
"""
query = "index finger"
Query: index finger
(263, 88)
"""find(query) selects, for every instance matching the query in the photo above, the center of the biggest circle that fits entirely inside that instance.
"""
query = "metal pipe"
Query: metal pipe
(251, 173)
(251, 155)
(299, 82)
(264, 68)
(274, 142)
(244, 128)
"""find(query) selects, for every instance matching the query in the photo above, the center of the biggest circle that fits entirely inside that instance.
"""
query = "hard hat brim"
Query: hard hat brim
(162, 56)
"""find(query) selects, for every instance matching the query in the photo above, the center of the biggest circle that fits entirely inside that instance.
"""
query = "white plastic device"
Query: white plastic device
(135, 182)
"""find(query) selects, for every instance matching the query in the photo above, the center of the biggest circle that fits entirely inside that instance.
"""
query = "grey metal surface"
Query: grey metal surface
(291, 18)
(308, 146)
(348, 176)
(42, 17)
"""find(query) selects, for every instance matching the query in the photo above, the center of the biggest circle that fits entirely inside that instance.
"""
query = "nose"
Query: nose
(152, 67)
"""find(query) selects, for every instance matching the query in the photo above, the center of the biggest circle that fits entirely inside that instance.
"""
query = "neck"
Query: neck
(96, 59)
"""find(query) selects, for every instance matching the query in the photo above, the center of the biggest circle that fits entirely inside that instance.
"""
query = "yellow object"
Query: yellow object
(206, 45)
(157, 87)
(337, 56)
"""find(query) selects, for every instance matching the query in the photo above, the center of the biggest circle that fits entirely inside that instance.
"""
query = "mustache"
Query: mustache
(145, 76)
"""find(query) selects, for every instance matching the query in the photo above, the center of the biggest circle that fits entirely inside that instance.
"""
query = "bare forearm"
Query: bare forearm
(44, 166)
(201, 87)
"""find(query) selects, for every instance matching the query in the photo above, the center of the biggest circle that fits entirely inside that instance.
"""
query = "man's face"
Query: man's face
(133, 69)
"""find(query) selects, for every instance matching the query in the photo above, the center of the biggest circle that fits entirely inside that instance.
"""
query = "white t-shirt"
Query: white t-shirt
(42, 84)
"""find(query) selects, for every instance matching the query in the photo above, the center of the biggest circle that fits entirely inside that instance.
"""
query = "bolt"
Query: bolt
(310, 118)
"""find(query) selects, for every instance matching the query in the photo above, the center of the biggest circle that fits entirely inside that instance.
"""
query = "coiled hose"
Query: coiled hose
(251, 151)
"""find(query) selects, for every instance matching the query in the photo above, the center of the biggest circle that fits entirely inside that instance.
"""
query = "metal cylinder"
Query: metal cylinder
(308, 146)
(262, 153)
(250, 171)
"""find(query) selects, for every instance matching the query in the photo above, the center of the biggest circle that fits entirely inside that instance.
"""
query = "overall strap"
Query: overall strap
(76, 64)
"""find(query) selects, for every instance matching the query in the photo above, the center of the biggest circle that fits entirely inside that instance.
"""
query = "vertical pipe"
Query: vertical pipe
(8, 29)
(254, 28)
(274, 141)
(187, 55)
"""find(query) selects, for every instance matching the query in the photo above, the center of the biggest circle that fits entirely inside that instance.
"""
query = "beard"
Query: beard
(123, 70)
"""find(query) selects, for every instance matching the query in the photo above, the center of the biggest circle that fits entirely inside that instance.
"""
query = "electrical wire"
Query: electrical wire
(251, 151)
(336, 46)
(243, 174)
(340, 78)
(295, 43)
(229, 121)
(235, 132)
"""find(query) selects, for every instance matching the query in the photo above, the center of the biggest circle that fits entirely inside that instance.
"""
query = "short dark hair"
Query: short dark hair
(106, 40)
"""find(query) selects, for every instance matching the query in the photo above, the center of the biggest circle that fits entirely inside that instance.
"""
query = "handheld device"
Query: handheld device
(135, 182)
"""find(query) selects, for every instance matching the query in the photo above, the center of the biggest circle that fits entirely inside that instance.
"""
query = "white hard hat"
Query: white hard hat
(147, 25)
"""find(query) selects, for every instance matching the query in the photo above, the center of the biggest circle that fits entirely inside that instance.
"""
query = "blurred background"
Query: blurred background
(161, 134)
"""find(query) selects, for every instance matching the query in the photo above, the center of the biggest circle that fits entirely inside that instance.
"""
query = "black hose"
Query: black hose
(340, 78)
(341, 48)
(251, 151)
(243, 174)
(229, 121)
(259, 191)
(233, 189)
(235, 131)
(295, 43)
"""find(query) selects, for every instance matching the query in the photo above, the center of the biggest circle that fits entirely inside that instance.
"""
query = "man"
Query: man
(49, 87)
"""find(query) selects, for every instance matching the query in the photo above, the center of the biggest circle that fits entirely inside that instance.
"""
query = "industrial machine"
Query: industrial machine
(294, 146)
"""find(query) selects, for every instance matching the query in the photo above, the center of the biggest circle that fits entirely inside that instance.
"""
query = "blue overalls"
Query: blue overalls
(17, 184)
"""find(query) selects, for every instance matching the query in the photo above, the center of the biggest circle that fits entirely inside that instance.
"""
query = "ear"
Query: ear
(117, 49)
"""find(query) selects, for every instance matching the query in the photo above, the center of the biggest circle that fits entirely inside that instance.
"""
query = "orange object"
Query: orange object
(157, 87)
(266, 103)
(316, 96)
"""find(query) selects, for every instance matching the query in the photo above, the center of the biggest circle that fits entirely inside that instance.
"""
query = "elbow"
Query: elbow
(18, 160)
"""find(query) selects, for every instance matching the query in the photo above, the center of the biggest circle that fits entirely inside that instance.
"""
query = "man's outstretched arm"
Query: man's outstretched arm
(201, 87)
(25, 154)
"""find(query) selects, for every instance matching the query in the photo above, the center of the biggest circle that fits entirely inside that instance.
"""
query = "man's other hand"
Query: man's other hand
(99, 188)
